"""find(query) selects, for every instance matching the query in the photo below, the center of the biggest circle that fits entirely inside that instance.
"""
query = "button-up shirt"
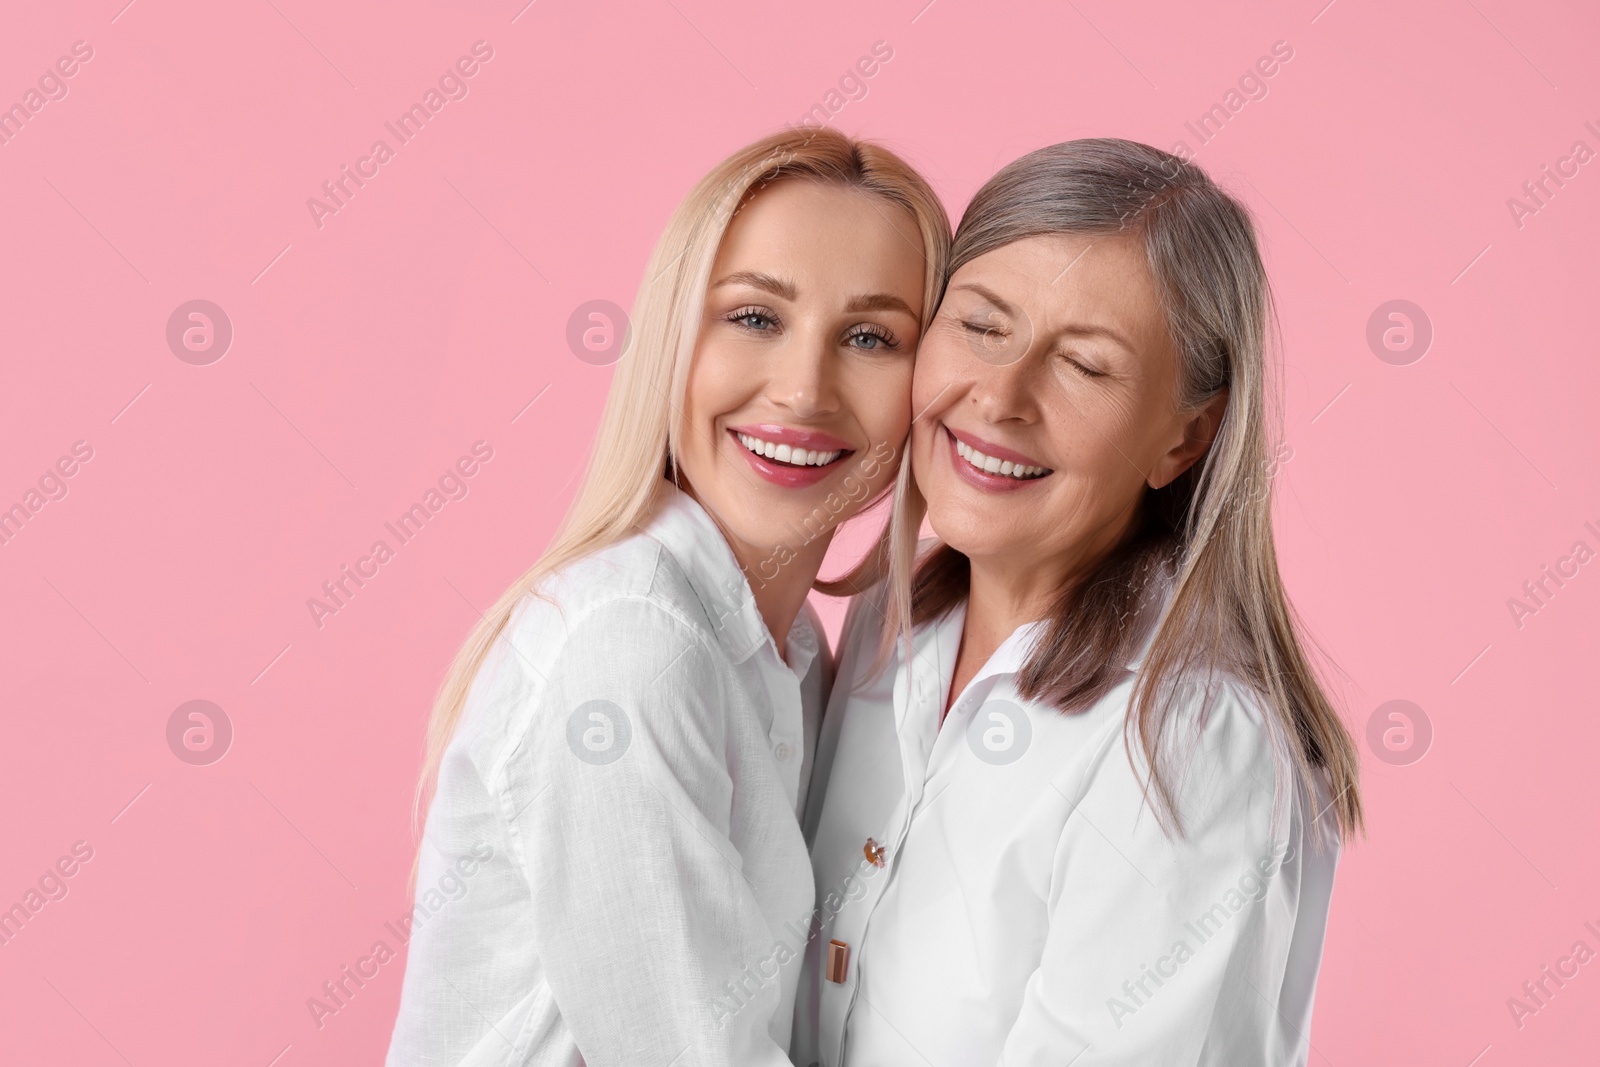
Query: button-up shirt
(613, 852)
(1022, 904)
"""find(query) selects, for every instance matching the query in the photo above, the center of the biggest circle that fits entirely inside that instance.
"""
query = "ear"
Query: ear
(1198, 433)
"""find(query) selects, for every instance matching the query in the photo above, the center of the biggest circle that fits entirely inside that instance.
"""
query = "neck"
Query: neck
(1003, 596)
(1006, 591)
(781, 579)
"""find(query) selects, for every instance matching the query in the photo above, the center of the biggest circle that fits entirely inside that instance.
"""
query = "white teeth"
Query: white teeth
(795, 457)
(995, 466)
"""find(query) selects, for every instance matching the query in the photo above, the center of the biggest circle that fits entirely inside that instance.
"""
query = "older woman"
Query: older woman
(1079, 794)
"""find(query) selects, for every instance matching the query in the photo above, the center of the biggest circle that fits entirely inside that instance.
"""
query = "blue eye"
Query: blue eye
(753, 319)
(872, 339)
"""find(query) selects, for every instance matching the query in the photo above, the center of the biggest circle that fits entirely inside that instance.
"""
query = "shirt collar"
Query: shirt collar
(803, 643)
(693, 538)
(1013, 653)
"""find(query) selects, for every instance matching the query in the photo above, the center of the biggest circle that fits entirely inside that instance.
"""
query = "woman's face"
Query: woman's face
(799, 396)
(1047, 385)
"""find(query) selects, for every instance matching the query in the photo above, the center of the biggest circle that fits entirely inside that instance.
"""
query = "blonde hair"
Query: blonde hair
(641, 426)
(1207, 536)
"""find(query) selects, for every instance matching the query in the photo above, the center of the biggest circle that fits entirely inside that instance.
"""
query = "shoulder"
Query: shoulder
(1220, 755)
(626, 614)
(630, 583)
(623, 631)
(1224, 713)
(1231, 759)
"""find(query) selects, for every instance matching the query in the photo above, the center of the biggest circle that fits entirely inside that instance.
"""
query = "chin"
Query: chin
(971, 533)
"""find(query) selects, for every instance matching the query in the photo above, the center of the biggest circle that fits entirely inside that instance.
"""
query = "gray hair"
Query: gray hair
(1207, 536)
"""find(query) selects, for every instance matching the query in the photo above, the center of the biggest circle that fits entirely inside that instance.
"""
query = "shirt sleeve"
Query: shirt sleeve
(620, 801)
(1164, 948)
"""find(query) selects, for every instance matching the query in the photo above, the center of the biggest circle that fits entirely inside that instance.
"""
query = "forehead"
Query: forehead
(822, 233)
(1067, 281)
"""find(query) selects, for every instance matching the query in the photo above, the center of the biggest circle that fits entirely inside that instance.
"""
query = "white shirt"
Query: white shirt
(613, 869)
(1029, 909)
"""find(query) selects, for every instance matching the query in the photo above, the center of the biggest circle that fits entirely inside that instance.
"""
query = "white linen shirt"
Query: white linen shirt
(630, 761)
(1029, 909)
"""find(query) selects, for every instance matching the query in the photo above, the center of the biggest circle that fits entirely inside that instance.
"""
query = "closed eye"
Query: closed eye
(982, 329)
(1084, 369)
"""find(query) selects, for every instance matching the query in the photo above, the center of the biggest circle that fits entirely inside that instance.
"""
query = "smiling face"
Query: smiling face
(1049, 383)
(799, 394)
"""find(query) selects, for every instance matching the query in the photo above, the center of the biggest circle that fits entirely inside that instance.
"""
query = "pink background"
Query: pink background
(373, 351)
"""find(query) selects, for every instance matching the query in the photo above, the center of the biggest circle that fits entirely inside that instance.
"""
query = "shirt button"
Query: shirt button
(781, 750)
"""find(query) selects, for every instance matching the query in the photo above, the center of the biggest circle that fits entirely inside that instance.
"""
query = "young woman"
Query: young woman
(1090, 815)
(618, 755)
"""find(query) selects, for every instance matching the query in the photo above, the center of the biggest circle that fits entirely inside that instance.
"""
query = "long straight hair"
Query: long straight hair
(1205, 539)
(641, 426)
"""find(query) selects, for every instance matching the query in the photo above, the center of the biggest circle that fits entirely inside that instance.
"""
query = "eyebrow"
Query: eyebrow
(755, 278)
(788, 291)
(878, 302)
(990, 295)
(1011, 309)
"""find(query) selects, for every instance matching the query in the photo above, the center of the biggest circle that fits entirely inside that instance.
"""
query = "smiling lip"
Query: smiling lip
(815, 440)
(790, 475)
(990, 449)
(994, 483)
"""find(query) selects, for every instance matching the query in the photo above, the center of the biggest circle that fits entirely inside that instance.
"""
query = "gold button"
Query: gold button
(838, 961)
(874, 852)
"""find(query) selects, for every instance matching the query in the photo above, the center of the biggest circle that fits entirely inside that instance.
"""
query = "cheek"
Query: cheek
(719, 384)
(1105, 443)
(923, 459)
(708, 394)
(935, 373)
(881, 403)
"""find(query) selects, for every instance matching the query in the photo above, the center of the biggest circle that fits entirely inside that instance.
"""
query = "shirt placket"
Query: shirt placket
(785, 734)
(773, 678)
(915, 700)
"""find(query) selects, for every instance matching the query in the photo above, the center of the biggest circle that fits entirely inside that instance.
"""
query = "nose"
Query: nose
(804, 375)
(1002, 393)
